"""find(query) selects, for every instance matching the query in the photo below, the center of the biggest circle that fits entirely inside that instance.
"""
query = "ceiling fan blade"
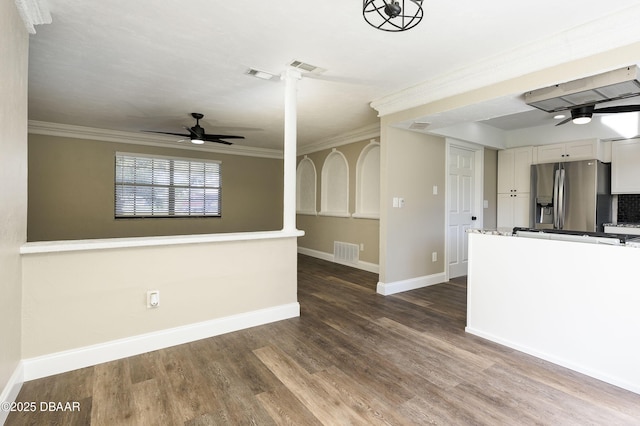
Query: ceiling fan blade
(208, 137)
(566, 120)
(167, 133)
(219, 141)
(620, 108)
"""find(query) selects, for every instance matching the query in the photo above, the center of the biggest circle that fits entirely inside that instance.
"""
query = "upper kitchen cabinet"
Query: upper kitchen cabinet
(625, 167)
(588, 149)
(514, 170)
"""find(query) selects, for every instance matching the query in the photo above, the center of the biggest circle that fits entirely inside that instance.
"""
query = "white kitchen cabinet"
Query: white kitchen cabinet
(625, 167)
(588, 149)
(514, 169)
(514, 176)
(513, 210)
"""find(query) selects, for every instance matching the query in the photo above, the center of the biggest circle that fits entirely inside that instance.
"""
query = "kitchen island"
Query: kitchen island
(572, 303)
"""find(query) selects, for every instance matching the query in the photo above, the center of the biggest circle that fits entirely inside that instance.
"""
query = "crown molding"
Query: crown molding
(368, 132)
(33, 12)
(610, 32)
(80, 132)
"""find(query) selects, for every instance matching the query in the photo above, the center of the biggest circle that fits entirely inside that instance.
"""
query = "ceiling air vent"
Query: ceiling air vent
(610, 86)
(419, 125)
(261, 74)
(303, 66)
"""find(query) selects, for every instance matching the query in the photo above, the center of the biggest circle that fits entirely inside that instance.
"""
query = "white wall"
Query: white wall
(14, 44)
(574, 304)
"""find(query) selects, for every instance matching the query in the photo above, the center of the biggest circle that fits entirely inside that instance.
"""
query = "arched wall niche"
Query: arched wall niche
(306, 183)
(334, 199)
(368, 182)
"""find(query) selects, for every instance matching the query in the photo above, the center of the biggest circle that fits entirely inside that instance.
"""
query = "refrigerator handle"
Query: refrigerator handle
(556, 182)
(561, 207)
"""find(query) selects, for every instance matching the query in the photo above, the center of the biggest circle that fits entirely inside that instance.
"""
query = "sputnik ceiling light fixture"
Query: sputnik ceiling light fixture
(392, 15)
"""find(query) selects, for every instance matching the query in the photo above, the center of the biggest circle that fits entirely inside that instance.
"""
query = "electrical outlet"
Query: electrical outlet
(153, 299)
(434, 256)
(361, 246)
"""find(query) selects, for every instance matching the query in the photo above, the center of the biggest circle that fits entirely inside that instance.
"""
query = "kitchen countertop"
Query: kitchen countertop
(508, 232)
(624, 225)
(500, 231)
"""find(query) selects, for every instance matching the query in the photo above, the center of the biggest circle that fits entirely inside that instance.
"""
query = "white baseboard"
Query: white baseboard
(11, 390)
(616, 381)
(387, 289)
(60, 362)
(365, 266)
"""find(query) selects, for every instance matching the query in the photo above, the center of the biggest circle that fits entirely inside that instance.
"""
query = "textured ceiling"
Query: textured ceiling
(145, 65)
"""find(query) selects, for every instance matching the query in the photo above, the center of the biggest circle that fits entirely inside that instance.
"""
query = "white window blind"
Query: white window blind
(149, 186)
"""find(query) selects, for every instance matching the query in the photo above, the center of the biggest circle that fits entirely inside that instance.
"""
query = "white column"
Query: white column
(291, 77)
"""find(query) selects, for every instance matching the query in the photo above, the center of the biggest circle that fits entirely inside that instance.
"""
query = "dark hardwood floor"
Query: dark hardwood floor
(353, 357)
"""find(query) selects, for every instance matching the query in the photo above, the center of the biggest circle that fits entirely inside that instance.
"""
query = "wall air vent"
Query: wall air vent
(617, 84)
(346, 253)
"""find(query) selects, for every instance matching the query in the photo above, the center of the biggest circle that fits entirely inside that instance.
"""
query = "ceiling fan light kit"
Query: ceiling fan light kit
(581, 120)
(582, 115)
(392, 15)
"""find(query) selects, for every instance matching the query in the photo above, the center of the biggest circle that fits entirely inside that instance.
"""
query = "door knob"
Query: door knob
(473, 218)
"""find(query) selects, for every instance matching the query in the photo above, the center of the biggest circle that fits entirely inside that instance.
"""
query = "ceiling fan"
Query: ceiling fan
(197, 134)
(583, 114)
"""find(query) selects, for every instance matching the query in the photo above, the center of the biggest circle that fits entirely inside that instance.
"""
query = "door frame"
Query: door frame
(478, 190)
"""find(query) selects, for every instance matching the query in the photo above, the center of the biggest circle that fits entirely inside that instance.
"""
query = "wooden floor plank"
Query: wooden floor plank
(153, 403)
(285, 409)
(353, 357)
(327, 406)
(370, 408)
(112, 395)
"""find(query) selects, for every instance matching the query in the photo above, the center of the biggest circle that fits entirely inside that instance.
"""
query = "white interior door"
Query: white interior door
(461, 204)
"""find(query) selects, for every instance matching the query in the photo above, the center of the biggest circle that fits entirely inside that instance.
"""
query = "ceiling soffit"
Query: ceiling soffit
(578, 43)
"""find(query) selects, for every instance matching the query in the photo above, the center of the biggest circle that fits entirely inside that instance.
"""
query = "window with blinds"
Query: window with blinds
(154, 186)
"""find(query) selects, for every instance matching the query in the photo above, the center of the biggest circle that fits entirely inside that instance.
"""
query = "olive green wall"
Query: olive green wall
(322, 231)
(71, 192)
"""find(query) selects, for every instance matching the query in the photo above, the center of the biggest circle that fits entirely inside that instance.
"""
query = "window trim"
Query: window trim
(166, 216)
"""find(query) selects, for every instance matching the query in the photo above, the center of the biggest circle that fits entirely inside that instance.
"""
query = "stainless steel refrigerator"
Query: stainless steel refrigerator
(575, 196)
